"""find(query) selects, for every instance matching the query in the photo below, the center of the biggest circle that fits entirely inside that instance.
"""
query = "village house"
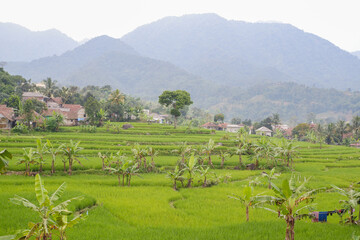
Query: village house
(72, 113)
(7, 117)
(215, 126)
(263, 131)
(159, 118)
(234, 128)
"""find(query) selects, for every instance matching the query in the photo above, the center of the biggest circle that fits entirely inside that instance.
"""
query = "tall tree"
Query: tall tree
(176, 100)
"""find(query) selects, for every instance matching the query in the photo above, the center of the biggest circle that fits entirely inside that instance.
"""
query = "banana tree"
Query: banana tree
(290, 202)
(41, 150)
(183, 150)
(53, 151)
(191, 167)
(5, 155)
(208, 149)
(71, 152)
(28, 158)
(103, 157)
(204, 172)
(242, 145)
(248, 199)
(288, 150)
(176, 175)
(270, 176)
(51, 214)
(152, 153)
(352, 200)
(224, 156)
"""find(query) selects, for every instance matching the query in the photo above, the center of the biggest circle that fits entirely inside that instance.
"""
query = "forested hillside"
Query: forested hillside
(20, 44)
(242, 54)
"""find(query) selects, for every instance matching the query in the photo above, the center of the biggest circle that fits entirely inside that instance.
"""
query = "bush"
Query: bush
(20, 128)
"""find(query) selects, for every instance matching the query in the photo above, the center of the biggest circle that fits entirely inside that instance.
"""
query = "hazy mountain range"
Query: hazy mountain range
(20, 44)
(357, 53)
(241, 69)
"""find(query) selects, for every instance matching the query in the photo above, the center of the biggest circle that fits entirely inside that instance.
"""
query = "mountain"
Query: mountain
(243, 54)
(105, 60)
(20, 44)
(357, 53)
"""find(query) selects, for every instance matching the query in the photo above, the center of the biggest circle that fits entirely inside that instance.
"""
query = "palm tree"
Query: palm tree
(208, 150)
(289, 201)
(51, 214)
(5, 155)
(54, 151)
(352, 199)
(270, 176)
(71, 152)
(356, 126)
(117, 97)
(50, 87)
(28, 158)
(65, 94)
(41, 150)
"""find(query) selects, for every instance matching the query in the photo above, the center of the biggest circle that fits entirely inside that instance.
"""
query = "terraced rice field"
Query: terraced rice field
(151, 209)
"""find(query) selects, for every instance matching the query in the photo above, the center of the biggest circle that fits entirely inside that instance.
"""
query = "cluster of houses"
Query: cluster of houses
(72, 113)
(264, 131)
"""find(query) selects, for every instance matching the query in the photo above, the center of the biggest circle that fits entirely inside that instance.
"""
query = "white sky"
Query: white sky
(335, 20)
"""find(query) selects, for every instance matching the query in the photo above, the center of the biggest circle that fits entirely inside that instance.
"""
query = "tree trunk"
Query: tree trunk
(290, 225)
(119, 180)
(247, 213)
(222, 162)
(64, 167)
(210, 162)
(189, 182)
(269, 185)
(70, 167)
(41, 166)
(204, 184)
(175, 121)
(152, 163)
(129, 180)
(240, 160)
(53, 166)
(175, 185)
(27, 170)
(123, 180)
(103, 165)
(145, 166)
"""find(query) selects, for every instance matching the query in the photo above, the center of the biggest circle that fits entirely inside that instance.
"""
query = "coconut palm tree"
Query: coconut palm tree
(290, 201)
(5, 155)
(117, 97)
(71, 152)
(352, 200)
(29, 157)
(50, 87)
(51, 214)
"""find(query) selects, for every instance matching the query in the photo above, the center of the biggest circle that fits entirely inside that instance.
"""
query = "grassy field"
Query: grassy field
(151, 209)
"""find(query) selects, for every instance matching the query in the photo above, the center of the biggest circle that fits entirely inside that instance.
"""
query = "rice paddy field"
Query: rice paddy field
(152, 209)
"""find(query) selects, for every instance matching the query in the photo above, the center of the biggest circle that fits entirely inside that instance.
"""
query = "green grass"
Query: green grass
(151, 209)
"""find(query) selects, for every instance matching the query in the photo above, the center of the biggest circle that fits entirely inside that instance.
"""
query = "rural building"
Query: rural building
(7, 118)
(159, 118)
(72, 113)
(282, 127)
(234, 128)
(215, 126)
(34, 95)
(263, 131)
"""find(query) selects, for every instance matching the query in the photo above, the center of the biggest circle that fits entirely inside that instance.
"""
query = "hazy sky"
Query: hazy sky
(335, 20)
